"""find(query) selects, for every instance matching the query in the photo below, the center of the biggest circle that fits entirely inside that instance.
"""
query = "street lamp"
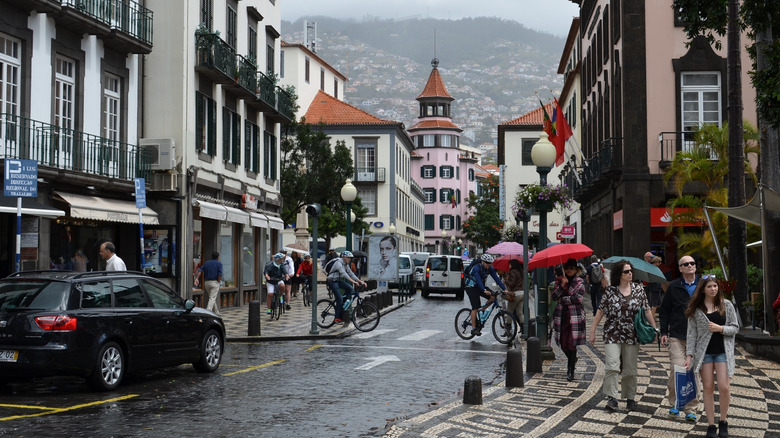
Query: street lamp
(443, 240)
(348, 195)
(543, 155)
(391, 229)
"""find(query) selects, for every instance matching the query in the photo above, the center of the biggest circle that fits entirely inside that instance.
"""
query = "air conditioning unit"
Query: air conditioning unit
(164, 182)
(163, 152)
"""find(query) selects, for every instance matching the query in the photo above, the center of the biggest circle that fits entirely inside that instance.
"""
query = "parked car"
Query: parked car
(444, 275)
(100, 326)
(405, 270)
(418, 258)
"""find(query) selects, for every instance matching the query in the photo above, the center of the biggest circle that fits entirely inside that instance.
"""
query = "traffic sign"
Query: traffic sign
(140, 193)
(21, 178)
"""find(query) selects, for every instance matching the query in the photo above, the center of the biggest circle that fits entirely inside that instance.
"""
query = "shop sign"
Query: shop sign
(662, 217)
(617, 220)
(248, 202)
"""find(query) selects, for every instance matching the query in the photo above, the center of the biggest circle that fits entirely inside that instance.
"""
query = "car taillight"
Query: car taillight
(58, 323)
(428, 273)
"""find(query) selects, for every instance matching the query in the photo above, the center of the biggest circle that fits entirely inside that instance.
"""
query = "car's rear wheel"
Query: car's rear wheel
(109, 367)
(210, 353)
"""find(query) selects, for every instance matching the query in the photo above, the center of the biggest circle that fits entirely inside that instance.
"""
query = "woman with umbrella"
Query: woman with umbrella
(620, 303)
(569, 316)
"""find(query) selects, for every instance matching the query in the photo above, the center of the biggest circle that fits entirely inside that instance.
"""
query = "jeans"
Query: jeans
(337, 286)
(677, 357)
(613, 354)
(595, 296)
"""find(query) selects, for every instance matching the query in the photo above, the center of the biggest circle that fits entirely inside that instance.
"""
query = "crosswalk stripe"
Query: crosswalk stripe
(420, 335)
(372, 334)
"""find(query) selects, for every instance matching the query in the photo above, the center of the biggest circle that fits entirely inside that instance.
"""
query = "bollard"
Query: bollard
(532, 329)
(472, 391)
(514, 368)
(254, 319)
(534, 354)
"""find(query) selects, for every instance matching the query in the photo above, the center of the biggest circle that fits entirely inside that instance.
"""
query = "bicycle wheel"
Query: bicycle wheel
(306, 294)
(463, 324)
(326, 313)
(365, 316)
(504, 327)
(274, 305)
(277, 305)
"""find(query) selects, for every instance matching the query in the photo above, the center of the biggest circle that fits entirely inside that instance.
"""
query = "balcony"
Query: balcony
(600, 169)
(275, 102)
(122, 24)
(245, 80)
(44, 6)
(369, 174)
(68, 149)
(673, 142)
(215, 58)
(416, 188)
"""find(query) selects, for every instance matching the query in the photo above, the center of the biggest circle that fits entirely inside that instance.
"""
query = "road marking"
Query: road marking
(257, 367)
(385, 347)
(60, 410)
(376, 361)
(372, 334)
(314, 347)
(44, 408)
(419, 336)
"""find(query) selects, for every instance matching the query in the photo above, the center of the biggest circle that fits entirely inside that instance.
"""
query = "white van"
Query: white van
(444, 275)
(418, 258)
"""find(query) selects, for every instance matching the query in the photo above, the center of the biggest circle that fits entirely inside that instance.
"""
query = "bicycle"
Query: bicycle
(504, 325)
(306, 291)
(363, 314)
(277, 301)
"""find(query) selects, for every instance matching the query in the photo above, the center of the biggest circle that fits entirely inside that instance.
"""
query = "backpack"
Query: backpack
(468, 276)
(329, 266)
(596, 274)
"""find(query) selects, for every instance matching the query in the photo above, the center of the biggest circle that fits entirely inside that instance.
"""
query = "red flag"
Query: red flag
(454, 201)
(562, 133)
(547, 124)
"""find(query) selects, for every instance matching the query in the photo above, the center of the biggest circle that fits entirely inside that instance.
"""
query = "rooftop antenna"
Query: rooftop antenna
(435, 61)
(310, 35)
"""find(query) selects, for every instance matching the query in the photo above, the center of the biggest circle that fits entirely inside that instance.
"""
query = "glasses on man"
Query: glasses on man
(712, 276)
(686, 264)
(627, 271)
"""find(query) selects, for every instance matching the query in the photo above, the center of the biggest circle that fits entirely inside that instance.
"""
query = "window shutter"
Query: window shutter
(274, 159)
(226, 128)
(457, 222)
(212, 129)
(247, 143)
(200, 121)
(441, 171)
(428, 221)
(457, 173)
(441, 222)
(256, 150)
(457, 195)
(237, 139)
(422, 171)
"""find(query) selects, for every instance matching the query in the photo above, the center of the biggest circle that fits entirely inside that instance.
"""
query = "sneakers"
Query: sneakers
(612, 404)
(723, 429)
(674, 412)
(712, 431)
(338, 321)
(690, 417)
(268, 311)
(287, 307)
(631, 405)
(476, 332)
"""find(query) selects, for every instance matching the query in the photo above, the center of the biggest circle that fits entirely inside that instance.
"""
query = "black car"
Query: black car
(100, 326)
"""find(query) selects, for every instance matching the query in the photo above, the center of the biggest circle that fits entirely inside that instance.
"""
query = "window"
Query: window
(457, 173)
(161, 297)
(127, 293)
(322, 79)
(307, 70)
(428, 172)
(111, 119)
(252, 41)
(368, 200)
(231, 136)
(528, 144)
(430, 195)
(446, 222)
(64, 103)
(205, 124)
(281, 64)
(446, 140)
(232, 23)
(445, 195)
(445, 172)
(429, 222)
(95, 295)
(227, 250)
(247, 257)
(471, 174)
(365, 159)
(700, 102)
(429, 140)
(207, 13)
(270, 53)
(269, 156)
(10, 74)
(251, 147)
(336, 88)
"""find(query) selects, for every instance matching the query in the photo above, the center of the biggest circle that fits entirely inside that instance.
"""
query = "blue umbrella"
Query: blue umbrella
(643, 271)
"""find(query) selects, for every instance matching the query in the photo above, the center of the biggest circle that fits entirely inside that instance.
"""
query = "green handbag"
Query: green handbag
(644, 330)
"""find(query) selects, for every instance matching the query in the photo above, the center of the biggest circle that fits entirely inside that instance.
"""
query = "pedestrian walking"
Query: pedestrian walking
(674, 328)
(515, 294)
(212, 276)
(569, 315)
(653, 289)
(80, 261)
(595, 276)
(113, 261)
(619, 305)
(712, 326)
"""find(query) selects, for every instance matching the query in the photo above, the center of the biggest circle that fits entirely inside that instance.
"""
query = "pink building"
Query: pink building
(443, 170)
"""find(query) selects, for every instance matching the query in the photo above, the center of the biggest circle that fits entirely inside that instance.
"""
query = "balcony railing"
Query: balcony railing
(214, 54)
(608, 159)
(370, 174)
(266, 89)
(285, 104)
(673, 142)
(416, 187)
(127, 17)
(63, 148)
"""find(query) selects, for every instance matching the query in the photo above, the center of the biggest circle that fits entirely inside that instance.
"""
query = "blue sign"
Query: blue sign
(140, 193)
(21, 178)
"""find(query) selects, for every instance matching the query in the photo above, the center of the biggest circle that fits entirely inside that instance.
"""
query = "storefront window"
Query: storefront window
(248, 256)
(159, 250)
(227, 253)
(197, 260)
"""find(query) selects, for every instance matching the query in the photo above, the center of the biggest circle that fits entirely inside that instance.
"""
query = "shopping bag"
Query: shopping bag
(684, 385)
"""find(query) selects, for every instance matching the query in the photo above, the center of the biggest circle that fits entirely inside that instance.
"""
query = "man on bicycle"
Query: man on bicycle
(306, 270)
(475, 288)
(337, 281)
(274, 276)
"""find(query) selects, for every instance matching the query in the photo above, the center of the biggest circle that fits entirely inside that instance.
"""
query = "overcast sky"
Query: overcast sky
(552, 16)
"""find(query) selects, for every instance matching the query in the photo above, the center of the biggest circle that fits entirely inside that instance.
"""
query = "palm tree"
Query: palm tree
(707, 163)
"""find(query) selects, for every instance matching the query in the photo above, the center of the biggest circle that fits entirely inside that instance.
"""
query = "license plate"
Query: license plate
(9, 355)
(437, 283)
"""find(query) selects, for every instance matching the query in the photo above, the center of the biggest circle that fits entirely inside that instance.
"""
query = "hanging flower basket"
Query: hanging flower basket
(542, 198)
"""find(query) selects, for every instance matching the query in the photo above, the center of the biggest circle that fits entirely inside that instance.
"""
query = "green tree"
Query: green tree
(485, 226)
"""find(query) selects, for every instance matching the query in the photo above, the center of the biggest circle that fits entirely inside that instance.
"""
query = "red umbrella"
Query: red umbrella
(558, 254)
(502, 263)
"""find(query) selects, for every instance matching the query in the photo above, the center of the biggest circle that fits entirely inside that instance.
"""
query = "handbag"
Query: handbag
(644, 331)
(684, 386)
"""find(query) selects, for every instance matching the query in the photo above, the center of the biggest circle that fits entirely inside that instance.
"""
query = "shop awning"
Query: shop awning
(105, 209)
(209, 210)
(29, 207)
(258, 220)
(275, 223)
(236, 215)
(751, 212)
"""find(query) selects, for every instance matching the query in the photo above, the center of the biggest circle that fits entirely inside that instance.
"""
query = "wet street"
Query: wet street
(356, 386)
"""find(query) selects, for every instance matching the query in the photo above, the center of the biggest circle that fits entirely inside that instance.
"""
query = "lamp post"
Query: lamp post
(391, 229)
(348, 195)
(543, 156)
(443, 240)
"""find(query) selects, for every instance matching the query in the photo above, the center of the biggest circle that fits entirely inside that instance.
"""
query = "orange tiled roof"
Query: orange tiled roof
(535, 117)
(331, 111)
(429, 124)
(435, 86)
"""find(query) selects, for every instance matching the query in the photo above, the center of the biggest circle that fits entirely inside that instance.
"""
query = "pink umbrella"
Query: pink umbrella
(558, 254)
(506, 248)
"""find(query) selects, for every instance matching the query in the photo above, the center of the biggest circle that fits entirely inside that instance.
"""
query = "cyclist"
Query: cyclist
(306, 270)
(274, 275)
(339, 279)
(475, 287)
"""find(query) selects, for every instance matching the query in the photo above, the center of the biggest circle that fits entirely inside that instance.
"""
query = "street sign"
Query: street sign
(21, 178)
(567, 232)
(140, 193)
